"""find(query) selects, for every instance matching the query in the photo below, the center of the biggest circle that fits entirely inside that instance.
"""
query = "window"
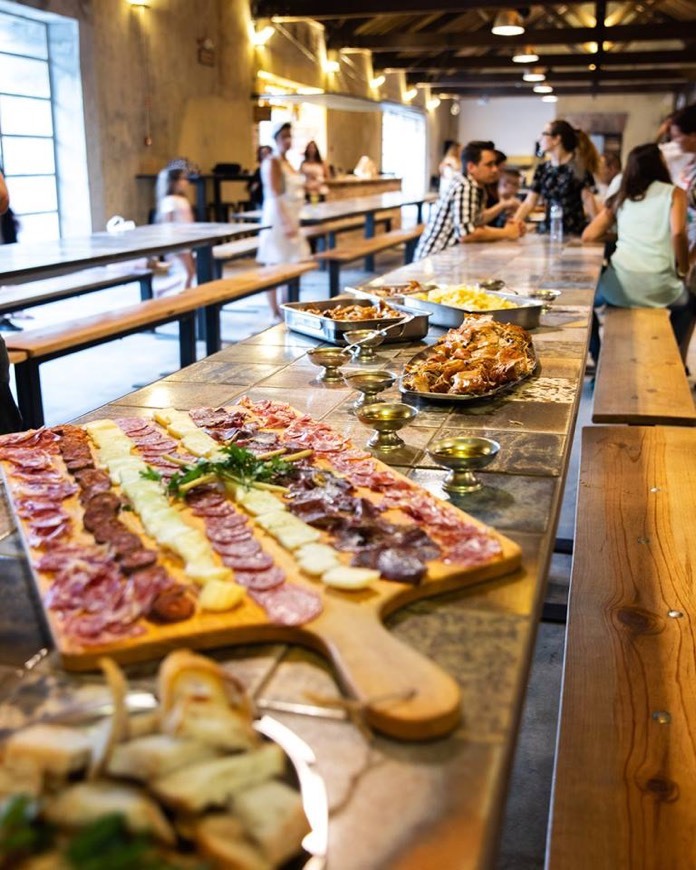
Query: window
(42, 140)
(403, 149)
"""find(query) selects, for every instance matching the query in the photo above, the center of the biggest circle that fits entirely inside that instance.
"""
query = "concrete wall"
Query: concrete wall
(645, 112)
(513, 123)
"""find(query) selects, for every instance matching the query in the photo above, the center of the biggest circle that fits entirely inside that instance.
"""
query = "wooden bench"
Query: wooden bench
(33, 293)
(640, 377)
(624, 793)
(360, 248)
(235, 250)
(42, 345)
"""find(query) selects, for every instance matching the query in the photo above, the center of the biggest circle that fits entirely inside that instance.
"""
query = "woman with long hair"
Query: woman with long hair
(316, 173)
(648, 267)
(174, 207)
(283, 198)
(450, 166)
(562, 180)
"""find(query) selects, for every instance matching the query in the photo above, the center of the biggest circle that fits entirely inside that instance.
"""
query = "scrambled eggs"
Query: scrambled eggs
(467, 297)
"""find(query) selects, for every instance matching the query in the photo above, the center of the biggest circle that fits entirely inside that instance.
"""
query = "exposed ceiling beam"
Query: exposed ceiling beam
(564, 90)
(499, 61)
(390, 42)
(585, 75)
(322, 10)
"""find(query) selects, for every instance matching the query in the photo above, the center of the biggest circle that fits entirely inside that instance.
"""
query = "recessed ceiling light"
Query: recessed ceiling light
(542, 89)
(549, 98)
(508, 22)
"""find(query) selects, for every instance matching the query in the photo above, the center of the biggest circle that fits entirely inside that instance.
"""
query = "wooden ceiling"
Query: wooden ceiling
(585, 48)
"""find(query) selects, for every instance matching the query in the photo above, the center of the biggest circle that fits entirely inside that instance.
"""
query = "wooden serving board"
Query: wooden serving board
(405, 694)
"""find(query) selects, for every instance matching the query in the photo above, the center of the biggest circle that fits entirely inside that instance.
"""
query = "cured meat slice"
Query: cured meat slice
(46, 490)
(243, 548)
(288, 604)
(172, 605)
(255, 562)
(260, 580)
(137, 560)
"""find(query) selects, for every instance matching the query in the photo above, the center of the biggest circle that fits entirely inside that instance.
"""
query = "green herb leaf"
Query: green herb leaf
(238, 466)
(151, 474)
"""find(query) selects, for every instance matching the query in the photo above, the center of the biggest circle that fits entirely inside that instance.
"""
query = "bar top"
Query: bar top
(399, 804)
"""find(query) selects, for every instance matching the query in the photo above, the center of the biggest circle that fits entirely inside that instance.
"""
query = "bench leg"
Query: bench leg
(213, 337)
(294, 290)
(218, 266)
(410, 250)
(370, 234)
(146, 287)
(187, 339)
(29, 393)
(334, 278)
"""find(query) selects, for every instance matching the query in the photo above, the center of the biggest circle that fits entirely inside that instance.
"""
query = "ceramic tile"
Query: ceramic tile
(224, 373)
(180, 395)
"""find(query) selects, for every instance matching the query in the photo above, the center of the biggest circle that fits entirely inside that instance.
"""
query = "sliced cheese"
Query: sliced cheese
(317, 559)
(199, 444)
(349, 578)
(219, 596)
(296, 535)
(257, 501)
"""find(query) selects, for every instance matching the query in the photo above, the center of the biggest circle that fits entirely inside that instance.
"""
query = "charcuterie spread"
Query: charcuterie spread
(478, 358)
(201, 526)
(189, 780)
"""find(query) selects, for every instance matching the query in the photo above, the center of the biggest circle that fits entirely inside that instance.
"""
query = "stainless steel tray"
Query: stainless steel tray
(374, 291)
(526, 315)
(457, 398)
(298, 319)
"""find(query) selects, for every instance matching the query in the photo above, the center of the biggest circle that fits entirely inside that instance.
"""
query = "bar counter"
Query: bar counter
(397, 804)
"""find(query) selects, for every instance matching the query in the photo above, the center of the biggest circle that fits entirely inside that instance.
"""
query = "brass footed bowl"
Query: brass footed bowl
(330, 359)
(386, 418)
(370, 384)
(369, 339)
(462, 455)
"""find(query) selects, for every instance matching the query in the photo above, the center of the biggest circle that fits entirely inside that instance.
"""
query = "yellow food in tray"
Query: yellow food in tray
(466, 296)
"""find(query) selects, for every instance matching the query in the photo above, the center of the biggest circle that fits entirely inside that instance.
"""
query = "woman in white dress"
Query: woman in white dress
(174, 207)
(283, 198)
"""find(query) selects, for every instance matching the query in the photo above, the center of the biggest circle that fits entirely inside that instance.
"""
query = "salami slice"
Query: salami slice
(261, 580)
(288, 604)
(242, 548)
(256, 562)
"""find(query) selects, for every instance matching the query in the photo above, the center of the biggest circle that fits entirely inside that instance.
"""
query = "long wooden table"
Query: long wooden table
(325, 212)
(405, 805)
(28, 262)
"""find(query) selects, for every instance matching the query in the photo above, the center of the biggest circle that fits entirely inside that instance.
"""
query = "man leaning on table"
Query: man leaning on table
(459, 215)
(10, 419)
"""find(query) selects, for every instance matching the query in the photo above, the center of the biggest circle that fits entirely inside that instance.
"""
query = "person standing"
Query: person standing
(316, 174)
(255, 186)
(283, 198)
(174, 207)
(561, 180)
(10, 418)
(458, 216)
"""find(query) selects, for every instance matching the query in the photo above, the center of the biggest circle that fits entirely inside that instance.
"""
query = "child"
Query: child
(174, 207)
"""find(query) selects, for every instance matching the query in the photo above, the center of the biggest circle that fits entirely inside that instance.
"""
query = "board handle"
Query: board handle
(405, 694)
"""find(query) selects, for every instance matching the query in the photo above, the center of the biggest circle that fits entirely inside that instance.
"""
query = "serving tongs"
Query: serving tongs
(375, 332)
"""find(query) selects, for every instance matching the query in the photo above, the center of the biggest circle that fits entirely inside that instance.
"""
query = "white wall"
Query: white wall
(645, 112)
(513, 123)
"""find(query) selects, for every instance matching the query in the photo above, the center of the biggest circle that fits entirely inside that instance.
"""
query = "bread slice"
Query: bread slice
(273, 817)
(156, 755)
(83, 803)
(220, 837)
(214, 783)
(54, 749)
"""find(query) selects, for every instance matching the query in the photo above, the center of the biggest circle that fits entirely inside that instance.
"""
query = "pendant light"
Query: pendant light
(508, 22)
(525, 55)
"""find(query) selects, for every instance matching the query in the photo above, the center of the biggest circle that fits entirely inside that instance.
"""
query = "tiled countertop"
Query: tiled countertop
(394, 804)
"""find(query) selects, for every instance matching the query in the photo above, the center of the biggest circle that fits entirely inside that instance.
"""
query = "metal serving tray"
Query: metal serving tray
(376, 291)
(456, 398)
(526, 315)
(298, 319)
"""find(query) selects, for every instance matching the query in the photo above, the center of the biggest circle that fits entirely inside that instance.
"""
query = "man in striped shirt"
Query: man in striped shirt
(458, 215)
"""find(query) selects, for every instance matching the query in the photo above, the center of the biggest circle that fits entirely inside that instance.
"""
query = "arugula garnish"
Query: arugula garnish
(239, 467)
